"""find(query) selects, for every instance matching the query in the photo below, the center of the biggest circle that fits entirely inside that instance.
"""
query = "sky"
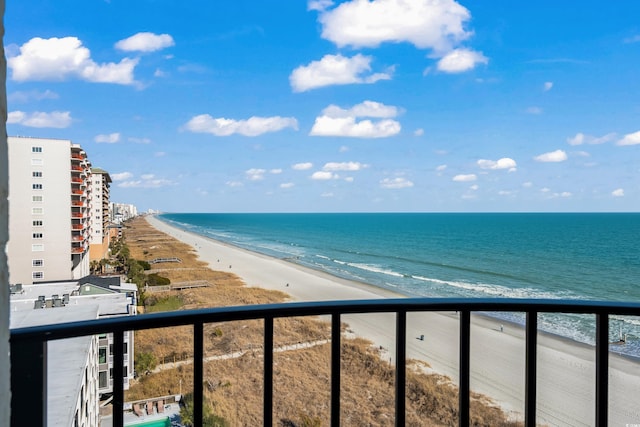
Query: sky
(338, 106)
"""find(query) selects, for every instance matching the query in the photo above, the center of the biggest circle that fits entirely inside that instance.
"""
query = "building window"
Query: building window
(37, 262)
(102, 355)
(36, 149)
(36, 162)
(37, 275)
(36, 174)
(37, 235)
(37, 223)
(36, 198)
(125, 371)
(37, 248)
(37, 211)
(102, 379)
(36, 186)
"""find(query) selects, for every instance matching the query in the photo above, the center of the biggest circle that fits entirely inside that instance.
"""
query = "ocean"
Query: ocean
(581, 256)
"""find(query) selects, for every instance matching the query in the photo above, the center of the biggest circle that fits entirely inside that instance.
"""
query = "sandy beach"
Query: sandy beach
(566, 369)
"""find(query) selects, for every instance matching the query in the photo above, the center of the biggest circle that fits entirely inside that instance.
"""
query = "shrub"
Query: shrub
(154, 279)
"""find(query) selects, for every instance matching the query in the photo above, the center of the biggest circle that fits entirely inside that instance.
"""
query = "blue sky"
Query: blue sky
(321, 106)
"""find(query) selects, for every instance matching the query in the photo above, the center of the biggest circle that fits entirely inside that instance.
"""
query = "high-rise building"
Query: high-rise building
(99, 201)
(49, 210)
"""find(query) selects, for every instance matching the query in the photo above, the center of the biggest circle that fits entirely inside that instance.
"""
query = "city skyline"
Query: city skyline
(324, 106)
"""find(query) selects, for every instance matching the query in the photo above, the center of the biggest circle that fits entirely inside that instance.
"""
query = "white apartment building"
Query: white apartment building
(49, 208)
(121, 212)
(100, 182)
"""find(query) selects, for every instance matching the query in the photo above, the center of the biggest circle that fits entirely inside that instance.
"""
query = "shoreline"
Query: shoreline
(566, 368)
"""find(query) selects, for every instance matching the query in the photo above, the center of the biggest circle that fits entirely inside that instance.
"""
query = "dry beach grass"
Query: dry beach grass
(233, 387)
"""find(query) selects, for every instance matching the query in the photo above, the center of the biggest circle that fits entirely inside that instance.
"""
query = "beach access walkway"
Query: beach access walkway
(237, 354)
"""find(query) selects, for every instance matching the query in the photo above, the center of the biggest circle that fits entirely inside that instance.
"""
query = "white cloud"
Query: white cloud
(534, 110)
(146, 181)
(633, 39)
(564, 194)
(159, 154)
(552, 156)
(461, 60)
(302, 166)
(465, 178)
(503, 163)
(344, 166)
(343, 149)
(111, 138)
(527, 184)
(122, 176)
(319, 4)
(327, 194)
(145, 42)
(139, 140)
(253, 126)
(580, 138)
(287, 185)
(61, 58)
(440, 168)
(335, 70)
(418, 132)
(547, 86)
(474, 187)
(324, 175)
(24, 97)
(426, 24)
(336, 121)
(618, 192)
(630, 139)
(234, 184)
(255, 174)
(159, 73)
(396, 183)
(275, 171)
(38, 119)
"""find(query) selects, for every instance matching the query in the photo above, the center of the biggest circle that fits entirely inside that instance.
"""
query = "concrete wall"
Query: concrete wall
(5, 392)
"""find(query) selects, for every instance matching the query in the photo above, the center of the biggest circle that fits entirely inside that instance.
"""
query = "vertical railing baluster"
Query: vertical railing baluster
(401, 361)
(335, 369)
(531, 369)
(29, 383)
(198, 356)
(268, 373)
(602, 369)
(118, 374)
(465, 368)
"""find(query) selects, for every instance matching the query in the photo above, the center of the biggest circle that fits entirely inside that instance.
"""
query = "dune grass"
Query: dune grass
(233, 387)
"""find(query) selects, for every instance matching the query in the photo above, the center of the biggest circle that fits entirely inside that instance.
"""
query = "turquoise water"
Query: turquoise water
(570, 256)
(164, 422)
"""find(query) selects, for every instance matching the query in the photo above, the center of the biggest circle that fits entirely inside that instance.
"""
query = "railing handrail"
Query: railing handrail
(29, 347)
(291, 309)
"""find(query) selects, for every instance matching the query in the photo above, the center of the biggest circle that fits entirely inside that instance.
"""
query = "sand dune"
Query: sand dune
(566, 369)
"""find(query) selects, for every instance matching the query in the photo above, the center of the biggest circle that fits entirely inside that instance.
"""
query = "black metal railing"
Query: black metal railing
(29, 348)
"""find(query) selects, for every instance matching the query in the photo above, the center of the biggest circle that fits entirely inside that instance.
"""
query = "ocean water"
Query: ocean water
(583, 256)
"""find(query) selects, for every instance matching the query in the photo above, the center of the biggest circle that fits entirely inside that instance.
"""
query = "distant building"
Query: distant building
(99, 201)
(49, 210)
(121, 212)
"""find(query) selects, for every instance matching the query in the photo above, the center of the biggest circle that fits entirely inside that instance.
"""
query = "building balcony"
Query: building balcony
(77, 239)
(78, 227)
(29, 349)
(77, 203)
(77, 250)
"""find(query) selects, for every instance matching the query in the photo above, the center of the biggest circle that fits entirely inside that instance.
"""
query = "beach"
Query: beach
(566, 369)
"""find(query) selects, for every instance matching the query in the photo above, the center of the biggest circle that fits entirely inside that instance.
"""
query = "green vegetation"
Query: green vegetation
(164, 303)
(209, 419)
(135, 271)
(154, 279)
(145, 361)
